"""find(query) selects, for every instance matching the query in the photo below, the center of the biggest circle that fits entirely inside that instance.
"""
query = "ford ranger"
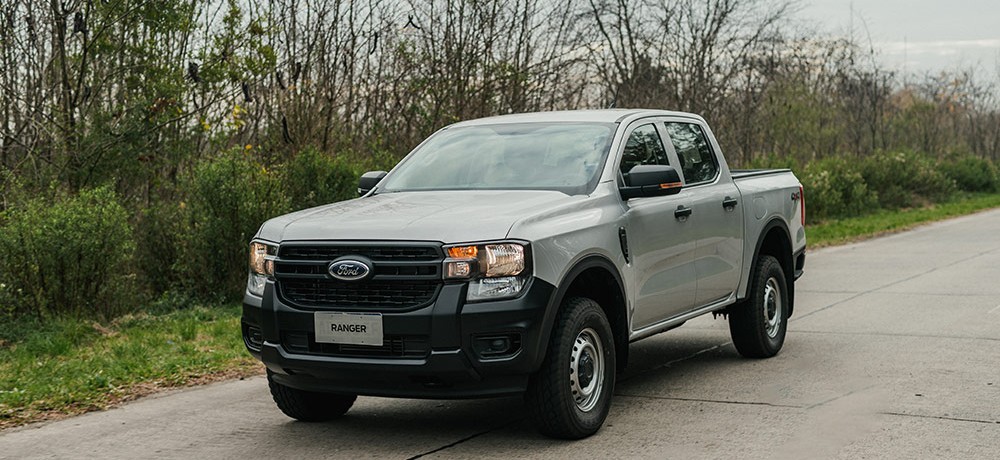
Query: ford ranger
(521, 254)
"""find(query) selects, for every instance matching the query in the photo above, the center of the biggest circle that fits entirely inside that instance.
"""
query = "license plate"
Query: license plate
(349, 328)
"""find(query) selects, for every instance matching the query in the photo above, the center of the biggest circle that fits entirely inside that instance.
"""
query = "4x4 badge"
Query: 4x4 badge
(349, 270)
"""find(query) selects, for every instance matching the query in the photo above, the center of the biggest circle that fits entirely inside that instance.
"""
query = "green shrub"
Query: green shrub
(313, 178)
(972, 174)
(230, 197)
(159, 228)
(834, 188)
(905, 180)
(70, 254)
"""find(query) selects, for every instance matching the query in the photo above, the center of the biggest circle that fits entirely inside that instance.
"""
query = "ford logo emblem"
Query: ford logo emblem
(349, 270)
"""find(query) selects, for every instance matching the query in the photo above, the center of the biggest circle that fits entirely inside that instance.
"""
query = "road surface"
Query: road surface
(893, 352)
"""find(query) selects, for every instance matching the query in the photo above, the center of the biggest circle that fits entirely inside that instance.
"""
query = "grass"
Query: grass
(839, 231)
(68, 366)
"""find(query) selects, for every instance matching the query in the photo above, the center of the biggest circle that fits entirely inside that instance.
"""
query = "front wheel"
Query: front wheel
(309, 406)
(758, 324)
(570, 396)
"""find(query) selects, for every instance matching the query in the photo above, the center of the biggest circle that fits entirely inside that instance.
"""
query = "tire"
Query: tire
(759, 323)
(308, 406)
(572, 401)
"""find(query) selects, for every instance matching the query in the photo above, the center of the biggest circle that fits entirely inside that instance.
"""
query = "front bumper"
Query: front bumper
(446, 366)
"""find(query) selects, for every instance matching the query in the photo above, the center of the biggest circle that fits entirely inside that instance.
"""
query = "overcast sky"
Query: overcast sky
(918, 35)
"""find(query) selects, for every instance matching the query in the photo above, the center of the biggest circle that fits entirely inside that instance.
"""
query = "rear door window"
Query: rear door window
(698, 162)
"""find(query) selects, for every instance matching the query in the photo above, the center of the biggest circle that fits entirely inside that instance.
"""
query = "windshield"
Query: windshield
(536, 156)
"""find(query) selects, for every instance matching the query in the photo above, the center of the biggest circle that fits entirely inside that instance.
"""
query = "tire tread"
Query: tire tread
(550, 405)
(307, 406)
(745, 318)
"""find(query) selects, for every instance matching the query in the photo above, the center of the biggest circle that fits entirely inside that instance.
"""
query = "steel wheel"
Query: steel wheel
(759, 323)
(570, 395)
(586, 369)
(772, 307)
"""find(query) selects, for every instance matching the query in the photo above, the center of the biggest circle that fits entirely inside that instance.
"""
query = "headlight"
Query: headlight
(495, 271)
(261, 266)
(495, 288)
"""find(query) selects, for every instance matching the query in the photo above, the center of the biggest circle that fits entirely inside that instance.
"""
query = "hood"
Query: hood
(445, 216)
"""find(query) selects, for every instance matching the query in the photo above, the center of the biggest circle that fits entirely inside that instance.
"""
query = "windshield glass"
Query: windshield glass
(538, 156)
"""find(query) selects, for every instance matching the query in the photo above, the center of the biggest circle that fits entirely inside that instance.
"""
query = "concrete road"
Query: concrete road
(893, 352)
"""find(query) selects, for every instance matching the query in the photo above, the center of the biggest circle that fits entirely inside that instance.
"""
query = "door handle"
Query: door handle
(682, 212)
(729, 202)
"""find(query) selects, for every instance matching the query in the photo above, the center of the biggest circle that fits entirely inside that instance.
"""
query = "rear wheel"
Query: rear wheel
(570, 396)
(309, 406)
(758, 324)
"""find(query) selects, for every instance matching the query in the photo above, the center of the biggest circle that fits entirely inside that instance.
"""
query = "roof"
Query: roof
(592, 116)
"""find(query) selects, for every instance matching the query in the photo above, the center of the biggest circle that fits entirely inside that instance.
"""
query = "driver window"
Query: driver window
(643, 147)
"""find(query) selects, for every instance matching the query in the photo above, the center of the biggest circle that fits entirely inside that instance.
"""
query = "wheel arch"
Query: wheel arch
(776, 240)
(595, 277)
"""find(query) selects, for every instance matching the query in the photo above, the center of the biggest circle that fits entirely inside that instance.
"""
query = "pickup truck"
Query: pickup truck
(522, 254)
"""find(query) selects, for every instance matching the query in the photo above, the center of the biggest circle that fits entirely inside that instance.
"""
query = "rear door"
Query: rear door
(661, 246)
(717, 216)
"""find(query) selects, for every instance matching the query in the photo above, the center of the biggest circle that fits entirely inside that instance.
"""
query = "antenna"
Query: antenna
(614, 100)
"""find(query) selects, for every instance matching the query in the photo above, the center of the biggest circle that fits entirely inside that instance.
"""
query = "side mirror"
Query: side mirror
(369, 180)
(651, 180)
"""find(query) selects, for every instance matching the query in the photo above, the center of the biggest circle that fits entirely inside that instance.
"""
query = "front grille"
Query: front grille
(405, 275)
(393, 346)
(371, 294)
(329, 252)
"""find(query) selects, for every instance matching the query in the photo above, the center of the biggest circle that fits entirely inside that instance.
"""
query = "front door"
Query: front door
(661, 245)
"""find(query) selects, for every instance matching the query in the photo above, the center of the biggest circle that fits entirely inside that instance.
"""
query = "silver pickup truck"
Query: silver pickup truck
(521, 254)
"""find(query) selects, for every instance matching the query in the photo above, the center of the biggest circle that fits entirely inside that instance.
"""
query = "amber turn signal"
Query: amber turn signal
(463, 252)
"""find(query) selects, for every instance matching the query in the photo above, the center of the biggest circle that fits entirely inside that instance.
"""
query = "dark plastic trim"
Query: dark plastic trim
(775, 222)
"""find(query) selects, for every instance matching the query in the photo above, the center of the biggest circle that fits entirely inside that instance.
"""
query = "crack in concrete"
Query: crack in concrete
(467, 438)
(942, 417)
(820, 291)
(876, 289)
(717, 401)
(891, 334)
(855, 296)
(921, 294)
(841, 396)
(938, 294)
